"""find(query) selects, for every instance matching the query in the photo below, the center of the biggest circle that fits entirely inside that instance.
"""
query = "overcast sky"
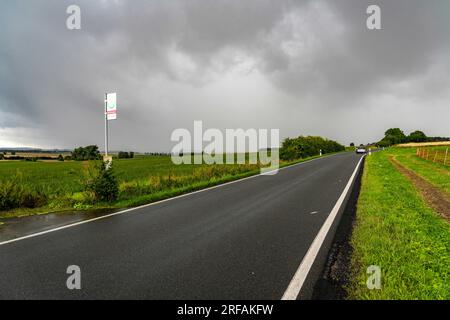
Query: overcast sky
(304, 67)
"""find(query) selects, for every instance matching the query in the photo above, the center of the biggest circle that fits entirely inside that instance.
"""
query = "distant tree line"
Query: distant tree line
(303, 147)
(93, 153)
(157, 154)
(396, 136)
(86, 153)
(125, 155)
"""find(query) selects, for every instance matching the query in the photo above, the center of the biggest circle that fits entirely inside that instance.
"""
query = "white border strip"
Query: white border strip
(153, 203)
(297, 282)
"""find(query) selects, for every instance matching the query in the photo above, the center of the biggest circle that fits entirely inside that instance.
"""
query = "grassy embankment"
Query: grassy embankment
(397, 231)
(141, 180)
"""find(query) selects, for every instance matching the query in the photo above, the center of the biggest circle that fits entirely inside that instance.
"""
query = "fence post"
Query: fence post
(446, 153)
(435, 156)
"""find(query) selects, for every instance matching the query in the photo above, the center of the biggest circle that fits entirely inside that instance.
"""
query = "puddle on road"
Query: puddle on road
(12, 228)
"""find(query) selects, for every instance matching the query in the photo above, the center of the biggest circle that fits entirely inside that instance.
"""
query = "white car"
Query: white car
(361, 150)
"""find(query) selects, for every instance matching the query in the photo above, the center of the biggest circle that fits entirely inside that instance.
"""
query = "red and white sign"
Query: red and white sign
(111, 106)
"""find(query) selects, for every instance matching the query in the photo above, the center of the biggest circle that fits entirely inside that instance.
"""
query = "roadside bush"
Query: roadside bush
(102, 182)
(303, 147)
(33, 199)
(10, 195)
(14, 193)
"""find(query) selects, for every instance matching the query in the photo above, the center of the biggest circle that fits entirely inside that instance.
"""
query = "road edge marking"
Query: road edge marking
(296, 284)
(154, 203)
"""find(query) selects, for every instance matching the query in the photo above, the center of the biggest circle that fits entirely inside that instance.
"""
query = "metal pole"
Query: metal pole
(446, 153)
(106, 124)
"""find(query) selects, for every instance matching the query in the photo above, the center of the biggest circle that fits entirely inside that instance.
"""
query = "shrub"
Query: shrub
(10, 195)
(102, 182)
(33, 199)
(303, 147)
(14, 193)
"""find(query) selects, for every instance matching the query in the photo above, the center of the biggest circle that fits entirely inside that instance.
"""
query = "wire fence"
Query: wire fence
(435, 155)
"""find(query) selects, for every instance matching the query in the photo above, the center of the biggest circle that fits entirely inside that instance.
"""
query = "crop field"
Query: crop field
(141, 180)
(400, 229)
(424, 144)
(60, 186)
(66, 177)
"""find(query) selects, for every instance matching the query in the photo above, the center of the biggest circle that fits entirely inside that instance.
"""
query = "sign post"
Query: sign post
(106, 124)
(110, 114)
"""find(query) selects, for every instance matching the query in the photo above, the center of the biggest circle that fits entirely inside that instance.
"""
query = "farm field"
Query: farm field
(434, 172)
(398, 230)
(424, 144)
(143, 179)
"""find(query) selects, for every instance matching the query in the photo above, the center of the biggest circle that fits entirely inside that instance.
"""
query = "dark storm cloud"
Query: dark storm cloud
(301, 66)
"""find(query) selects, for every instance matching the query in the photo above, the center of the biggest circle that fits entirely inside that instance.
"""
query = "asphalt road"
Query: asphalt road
(244, 240)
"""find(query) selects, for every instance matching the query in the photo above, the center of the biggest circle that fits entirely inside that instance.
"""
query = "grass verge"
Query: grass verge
(398, 232)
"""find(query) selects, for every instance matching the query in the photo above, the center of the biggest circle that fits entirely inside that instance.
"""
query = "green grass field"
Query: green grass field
(143, 179)
(398, 232)
(435, 173)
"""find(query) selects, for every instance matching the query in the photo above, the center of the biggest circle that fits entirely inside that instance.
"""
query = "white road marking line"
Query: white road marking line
(299, 278)
(314, 212)
(151, 204)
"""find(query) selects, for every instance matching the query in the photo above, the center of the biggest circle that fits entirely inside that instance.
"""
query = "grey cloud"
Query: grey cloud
(303, 65)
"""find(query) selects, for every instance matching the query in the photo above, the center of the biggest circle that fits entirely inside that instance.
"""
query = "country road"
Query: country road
(244, 240)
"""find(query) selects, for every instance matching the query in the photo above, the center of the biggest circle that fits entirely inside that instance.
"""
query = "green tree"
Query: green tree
(123, 155)
(392, 136)
(86, 153)
(417, 136)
